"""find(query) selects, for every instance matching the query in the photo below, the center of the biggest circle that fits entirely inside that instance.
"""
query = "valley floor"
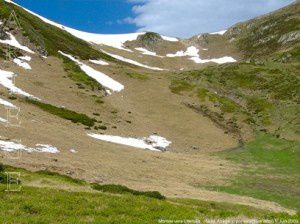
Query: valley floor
(146, 106)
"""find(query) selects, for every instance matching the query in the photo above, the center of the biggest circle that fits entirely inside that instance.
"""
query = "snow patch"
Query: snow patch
(6, 80)
(22, 63)
(153, 142)
(99, 62)
(2, 120)
(46, 148)
(145, 51)
(6, 103)
(193, 52)
(10, 146)
(25, 58)
(73, 151)
(171, 39)
(222, 32)
(113, 40)
(132, 62)
(222, 60)
(100, 77)
(13, 42)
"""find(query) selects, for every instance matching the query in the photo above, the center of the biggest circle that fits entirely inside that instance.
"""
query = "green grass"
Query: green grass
(226, 104)
(77, 75)
(49, 203)
(64, 113)
(60, 177)
(136, 75)
(178, 86)
(260, 96)
(270, 170)
(119, 189)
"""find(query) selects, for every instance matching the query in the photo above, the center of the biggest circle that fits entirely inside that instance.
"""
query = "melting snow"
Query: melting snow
(193, 52)
(10, 146)
(113, 40)
(100, 77)
(22, 63)
(222, 60)
(46, 148)
(6, 103)
(6, 79)
(25, 58)
(132, 62)
(2, 120)
(153, 142)
(171, 39)
(222, 32)
(99, 62)
(13, 42)
(145, 51)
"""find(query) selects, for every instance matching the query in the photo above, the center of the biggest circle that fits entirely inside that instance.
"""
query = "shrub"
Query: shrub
(119, 189)
(64, 113)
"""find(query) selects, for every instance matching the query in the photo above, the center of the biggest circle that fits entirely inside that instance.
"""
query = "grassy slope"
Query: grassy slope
(262, 96)
(263, 36)
(270, 171)
(265, 97)
(42, 201)
(262, 93)
(54, 38)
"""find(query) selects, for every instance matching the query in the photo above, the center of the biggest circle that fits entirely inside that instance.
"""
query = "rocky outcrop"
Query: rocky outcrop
(149, 39)
(289, 37)
(3, 34)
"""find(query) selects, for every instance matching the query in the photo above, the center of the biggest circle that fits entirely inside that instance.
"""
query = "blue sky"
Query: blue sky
(99, 16)
(180, 18)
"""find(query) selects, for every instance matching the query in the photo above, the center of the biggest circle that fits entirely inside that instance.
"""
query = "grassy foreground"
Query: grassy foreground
(51, 198)
(270, 170)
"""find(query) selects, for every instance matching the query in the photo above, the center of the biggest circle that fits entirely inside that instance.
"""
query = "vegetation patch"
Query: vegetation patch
(51, 203)
(178, 86)
(64, 113)
(259, 96)
(77, 75)
(270, 170)
(136, 75)
(64, 178)
(119, 189)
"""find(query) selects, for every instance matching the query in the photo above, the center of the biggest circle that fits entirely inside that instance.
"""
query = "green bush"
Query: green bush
(177, 86)
(119, 189)
(64, 113)
(64, 177)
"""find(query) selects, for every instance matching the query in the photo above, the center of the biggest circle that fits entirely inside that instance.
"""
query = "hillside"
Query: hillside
(209, 124)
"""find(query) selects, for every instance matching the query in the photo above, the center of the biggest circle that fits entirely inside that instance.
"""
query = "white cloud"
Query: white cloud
(184, 18)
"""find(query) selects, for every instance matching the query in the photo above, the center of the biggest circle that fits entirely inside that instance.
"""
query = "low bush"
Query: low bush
(64, 113)
(119, 189)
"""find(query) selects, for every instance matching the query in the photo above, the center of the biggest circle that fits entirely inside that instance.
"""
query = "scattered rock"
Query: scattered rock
(288, 37)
